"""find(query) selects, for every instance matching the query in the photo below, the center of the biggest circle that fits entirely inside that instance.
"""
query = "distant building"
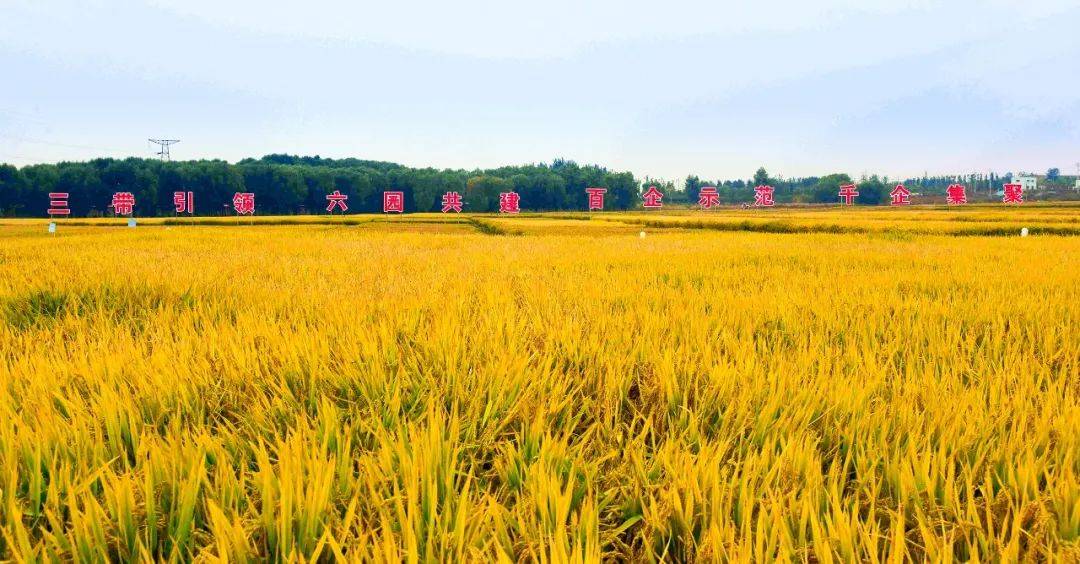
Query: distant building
(1028, 182)
(1077, 186)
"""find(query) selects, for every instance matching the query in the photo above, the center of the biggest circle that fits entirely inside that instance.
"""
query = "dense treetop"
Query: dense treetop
(288, 184)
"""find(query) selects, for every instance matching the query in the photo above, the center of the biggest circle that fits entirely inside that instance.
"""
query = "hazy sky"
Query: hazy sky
(662, 88)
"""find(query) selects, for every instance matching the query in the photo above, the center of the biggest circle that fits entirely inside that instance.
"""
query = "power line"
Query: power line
(164, 144)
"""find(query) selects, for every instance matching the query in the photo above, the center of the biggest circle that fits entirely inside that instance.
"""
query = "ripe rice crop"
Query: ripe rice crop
(542, 388)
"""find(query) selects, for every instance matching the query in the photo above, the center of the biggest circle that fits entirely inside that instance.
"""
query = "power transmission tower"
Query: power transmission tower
(164, 143)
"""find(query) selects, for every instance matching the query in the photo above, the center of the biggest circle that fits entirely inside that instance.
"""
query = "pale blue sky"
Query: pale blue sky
(659, 88)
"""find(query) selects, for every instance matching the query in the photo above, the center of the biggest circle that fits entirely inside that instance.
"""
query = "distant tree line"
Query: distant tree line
(873, 189)
(287, 184)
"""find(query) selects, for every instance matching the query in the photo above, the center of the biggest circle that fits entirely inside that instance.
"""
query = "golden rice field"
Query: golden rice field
(840, 385)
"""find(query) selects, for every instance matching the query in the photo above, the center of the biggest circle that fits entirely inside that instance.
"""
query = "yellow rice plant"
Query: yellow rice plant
(402, 391)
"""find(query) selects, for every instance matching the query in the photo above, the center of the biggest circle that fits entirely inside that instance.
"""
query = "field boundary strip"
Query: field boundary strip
(785, 227)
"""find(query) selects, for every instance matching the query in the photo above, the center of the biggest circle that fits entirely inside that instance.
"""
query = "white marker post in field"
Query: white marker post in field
(58, 205)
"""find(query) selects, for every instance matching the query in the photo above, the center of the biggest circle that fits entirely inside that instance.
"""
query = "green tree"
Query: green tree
(692, 188)
(87, 195)
(828, 187)
(13, 186)
(172, 178)
(277, 189)
(40, 180)
(482, 192)
(873, 191)
(666, 187)
(318, 182)
(430, 187)
(285, 184)
(622, 191)
(761, 177)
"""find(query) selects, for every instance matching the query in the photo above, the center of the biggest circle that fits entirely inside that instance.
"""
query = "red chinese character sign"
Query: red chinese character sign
(184, 202)
(848, 194)
(58, 203)
(244, 203)
(956, 194)
(451, 201)
(1014, 194)
(596, 198)
(509, 202)
(336, 200)
(708, 197)
(393, 202)
(123, 203)
(652, 199)
(900, 196)
(763, 196)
